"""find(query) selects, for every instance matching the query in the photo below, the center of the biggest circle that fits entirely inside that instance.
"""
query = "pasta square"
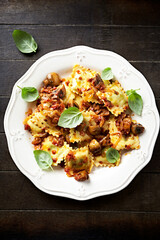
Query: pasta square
(118, 100)
(120, 141)
(79, 78)
(101, 161)
(78, 160)
(57, 153)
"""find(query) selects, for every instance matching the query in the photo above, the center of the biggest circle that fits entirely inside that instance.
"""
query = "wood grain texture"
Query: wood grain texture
(113, 12)
(118, 39)
(3, 106)
(79, 225)
(56, 12)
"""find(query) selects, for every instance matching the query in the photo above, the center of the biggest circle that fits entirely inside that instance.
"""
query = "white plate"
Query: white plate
(102, 181)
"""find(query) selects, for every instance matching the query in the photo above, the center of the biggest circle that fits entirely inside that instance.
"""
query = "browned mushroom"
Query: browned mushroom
(60, 91)
(95, 147)
(52, 79)
(94, 130)
(124, 123)
(68, 138)
(127, 125)
(36, 140)
(43, 134)
(97, 82)
(137, 128)
(81, 176)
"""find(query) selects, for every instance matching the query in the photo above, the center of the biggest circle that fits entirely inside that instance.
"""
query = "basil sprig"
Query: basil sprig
(70, 118)
(112, 155)
(24, 41)
(135, 101)
(29, 94)
(107, 74)
(43, 159)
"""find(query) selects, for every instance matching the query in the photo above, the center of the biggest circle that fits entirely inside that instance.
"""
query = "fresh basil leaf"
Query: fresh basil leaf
(107, 74)
(135, 103)
(70, 118)
(128, 92)
(43, 159)
(112, 155)
(29, 94)
(24, 41)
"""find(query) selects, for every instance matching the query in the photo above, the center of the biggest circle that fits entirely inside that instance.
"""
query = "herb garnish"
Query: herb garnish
(24, 41)
(29, 94)
(70, 118)
(107, 74)
(112, 155)
(43, 159)
(135, 101)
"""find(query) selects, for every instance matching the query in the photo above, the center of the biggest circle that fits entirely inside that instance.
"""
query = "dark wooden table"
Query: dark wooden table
(130, 28)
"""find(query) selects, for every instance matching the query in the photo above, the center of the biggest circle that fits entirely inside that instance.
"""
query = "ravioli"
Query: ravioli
(58, 153)
(79, 79)
(101, 161)
(76, 136)
(38, 123)
(78, 160)
(120, 141)
(115, 94)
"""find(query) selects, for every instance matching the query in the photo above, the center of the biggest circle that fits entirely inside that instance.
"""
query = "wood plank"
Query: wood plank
(115, 12)
(118, 39)
(55, 12)
(135, 12)
(142, 194)
(151, 71)
(6, 162)
(11, 71)
(3, 106)
(136, 43)
(79, 225)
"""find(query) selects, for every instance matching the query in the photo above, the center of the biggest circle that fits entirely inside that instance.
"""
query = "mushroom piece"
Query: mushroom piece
(81, 176)
(52, 79)
(60, 91)
(43, 134)
(98, 82)
(127, 125)
(95, 147)
(94, 130)
(36, 141)
(137, 128)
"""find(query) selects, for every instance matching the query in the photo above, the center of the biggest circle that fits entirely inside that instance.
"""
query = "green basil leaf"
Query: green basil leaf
(43, 159)
(112, 155)
(135, 103)
(70, 118)
(107, 74)
(128, 92)
(29, 94)
(24, 41)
